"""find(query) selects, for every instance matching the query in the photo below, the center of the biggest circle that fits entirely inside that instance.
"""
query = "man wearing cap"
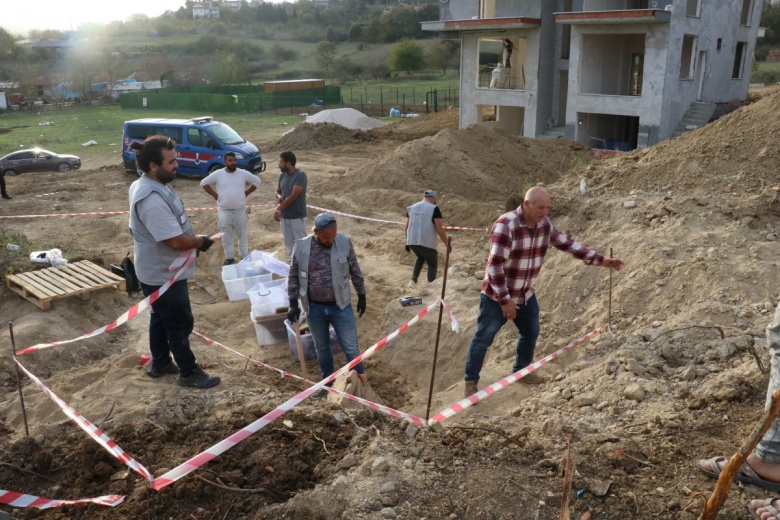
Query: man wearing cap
(228, 186)
(161, 231)
(291, 200)
(423, 223)
(519, 240)
(322, 265)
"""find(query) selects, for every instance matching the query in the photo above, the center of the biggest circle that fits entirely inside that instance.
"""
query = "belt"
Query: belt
(326, 304)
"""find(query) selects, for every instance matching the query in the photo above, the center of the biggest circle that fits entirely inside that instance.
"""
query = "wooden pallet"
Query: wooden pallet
(46, 285)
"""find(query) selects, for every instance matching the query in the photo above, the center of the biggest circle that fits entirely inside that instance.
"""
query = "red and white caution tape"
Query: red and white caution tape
(185, 259)
(334, 212)
(503, 383)
(14, 499)
(222, 446)
(92, 430)
(108, 213)
(453, 322)
(126, 212)
(374, 406)
(462, 228)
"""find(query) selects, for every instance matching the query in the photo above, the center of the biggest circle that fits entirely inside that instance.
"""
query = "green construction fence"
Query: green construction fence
(228, 99)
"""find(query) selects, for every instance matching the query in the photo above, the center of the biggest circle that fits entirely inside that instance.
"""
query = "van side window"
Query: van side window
(139, 131)
(198, 137)
(169, 131)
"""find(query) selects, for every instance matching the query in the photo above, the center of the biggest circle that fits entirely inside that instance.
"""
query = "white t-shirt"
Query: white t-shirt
(230, 186)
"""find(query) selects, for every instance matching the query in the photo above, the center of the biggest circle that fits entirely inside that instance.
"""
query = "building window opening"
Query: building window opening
(687, 56)
(739, 60)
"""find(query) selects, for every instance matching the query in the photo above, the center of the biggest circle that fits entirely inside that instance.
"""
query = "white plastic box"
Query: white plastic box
(237, 286)
(308, 343)
(269, 291)
(270, 329)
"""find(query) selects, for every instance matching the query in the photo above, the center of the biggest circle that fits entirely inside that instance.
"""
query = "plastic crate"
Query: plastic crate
(308, 343)
(270, 329)
(237, 286)
(269, 309)
(269, 291)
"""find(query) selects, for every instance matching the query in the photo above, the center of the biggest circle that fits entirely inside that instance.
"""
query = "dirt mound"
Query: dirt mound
(476, 164)
(742, 147)
(320, 135)
(410, 128)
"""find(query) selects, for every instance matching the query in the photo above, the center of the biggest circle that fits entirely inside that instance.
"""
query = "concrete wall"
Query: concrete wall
(471, 95)
(719, 19)
(645, 106)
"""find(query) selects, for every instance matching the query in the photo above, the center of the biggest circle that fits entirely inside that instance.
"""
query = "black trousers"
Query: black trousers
(425, 255)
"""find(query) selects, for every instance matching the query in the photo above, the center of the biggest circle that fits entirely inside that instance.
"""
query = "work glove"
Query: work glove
(207, 243)
(408, 249)
(293, 313)
(361, 305)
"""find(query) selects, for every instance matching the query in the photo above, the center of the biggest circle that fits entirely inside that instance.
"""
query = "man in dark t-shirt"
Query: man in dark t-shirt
(423, 224)
(291, 197)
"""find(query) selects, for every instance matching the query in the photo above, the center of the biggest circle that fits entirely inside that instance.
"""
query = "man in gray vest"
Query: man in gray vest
(322, 265)
(161, 231)
(423, 223)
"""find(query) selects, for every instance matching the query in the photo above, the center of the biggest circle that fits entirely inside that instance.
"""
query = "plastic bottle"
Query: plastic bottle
(583, 186)
(14, 247)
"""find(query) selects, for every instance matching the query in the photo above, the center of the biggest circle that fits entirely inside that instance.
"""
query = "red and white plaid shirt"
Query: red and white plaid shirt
(517, 253)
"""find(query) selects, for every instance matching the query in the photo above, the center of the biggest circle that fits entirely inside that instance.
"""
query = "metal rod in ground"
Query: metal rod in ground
(609, 303)
(18, 378)
(438, 328)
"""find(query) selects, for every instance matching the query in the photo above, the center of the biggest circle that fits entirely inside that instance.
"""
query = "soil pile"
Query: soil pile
(739, 148)
(307, 136)
(476, 164)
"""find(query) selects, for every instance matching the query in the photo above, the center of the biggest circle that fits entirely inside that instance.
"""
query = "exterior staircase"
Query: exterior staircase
(698, 115)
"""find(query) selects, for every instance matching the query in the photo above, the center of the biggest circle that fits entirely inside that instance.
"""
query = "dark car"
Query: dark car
(37, 160)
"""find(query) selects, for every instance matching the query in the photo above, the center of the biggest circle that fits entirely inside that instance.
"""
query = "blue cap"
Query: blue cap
(324, 221)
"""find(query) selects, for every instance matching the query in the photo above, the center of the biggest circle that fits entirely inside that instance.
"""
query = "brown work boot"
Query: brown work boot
(471, 388)
(532, 379)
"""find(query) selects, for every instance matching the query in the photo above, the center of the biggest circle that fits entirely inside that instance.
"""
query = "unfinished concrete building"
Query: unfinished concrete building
(616, 74)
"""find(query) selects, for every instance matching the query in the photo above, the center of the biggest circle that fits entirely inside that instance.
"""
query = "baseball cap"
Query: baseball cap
(430, 193)
(324, 221)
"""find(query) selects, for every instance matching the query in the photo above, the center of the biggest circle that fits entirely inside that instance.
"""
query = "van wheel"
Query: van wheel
(215, 167)
(63, 167)
(10, 172)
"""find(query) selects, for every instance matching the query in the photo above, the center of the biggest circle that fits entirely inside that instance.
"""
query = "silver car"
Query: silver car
(37, 160)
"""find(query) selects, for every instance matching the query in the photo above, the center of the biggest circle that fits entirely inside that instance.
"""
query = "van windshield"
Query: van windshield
(225, 134)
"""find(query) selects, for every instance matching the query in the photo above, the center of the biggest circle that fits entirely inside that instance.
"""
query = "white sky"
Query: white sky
(69, 14)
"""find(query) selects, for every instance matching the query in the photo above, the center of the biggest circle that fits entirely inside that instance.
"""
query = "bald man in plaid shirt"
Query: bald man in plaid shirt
(518, 242)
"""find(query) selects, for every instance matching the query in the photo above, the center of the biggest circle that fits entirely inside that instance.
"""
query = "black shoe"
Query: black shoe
(319, 394)
(229, 261)
(198, 379)
(6, 196)
(156, 372)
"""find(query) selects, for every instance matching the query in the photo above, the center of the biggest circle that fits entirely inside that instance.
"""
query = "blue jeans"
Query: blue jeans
(320, 317)
(768, 448)
(170, 327)
(489, 322)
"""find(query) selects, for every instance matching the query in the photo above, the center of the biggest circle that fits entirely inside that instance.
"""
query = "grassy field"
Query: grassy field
(71, 127)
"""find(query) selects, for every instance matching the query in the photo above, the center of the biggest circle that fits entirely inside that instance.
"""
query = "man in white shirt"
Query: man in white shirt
(230, 191)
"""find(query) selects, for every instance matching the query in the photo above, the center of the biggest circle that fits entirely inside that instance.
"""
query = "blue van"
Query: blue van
(201, 144)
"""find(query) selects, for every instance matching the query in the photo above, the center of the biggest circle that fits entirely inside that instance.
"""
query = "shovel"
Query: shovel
(300, 350)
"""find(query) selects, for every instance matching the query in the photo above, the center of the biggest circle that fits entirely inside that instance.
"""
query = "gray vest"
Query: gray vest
(422, 231)
(339, 265)
(153, 258)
